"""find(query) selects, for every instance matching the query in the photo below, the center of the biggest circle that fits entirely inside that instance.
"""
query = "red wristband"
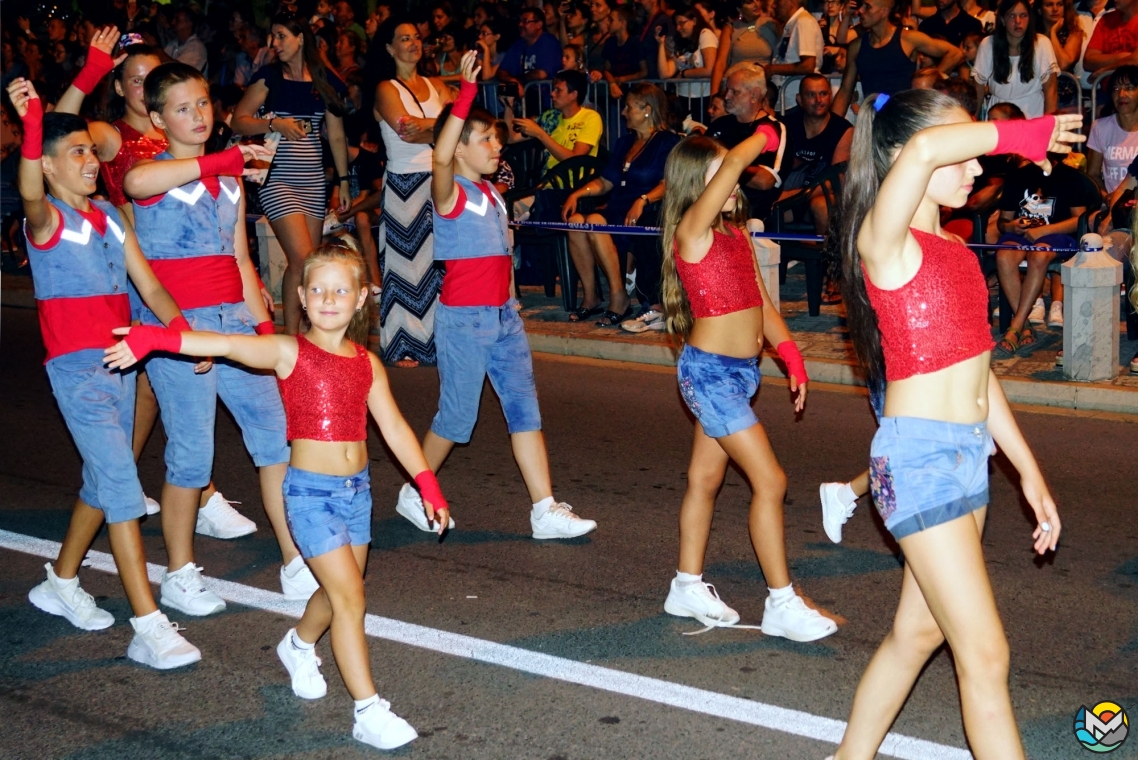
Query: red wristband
(32, 147)
(772, 137)
(266, 328)
(180, 324)
(430, 491)
(99, 64)
(228, 163)
(1028, 138)
(465, 100)
(144, 340)
(795, 366)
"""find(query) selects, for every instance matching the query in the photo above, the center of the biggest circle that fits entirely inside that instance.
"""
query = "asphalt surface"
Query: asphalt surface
(619, 441)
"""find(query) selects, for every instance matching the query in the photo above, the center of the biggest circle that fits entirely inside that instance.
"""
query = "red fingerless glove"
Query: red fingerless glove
(99, 64)
(144, 340)
(228, 163)
(179, 323)
(1029, 139)
(266, 328)
(465, 100)
(795, 366)
(772, 137)
(32, 147)
(429, 489)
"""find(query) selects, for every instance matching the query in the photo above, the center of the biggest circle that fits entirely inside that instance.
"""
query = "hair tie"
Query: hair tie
(880, 102)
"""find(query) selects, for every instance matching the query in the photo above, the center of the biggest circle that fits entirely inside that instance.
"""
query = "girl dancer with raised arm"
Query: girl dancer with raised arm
(716, 303)
(918, 314)
(329, 384)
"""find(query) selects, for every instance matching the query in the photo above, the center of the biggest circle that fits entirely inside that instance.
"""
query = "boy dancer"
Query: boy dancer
(477, 329)
(81, 253)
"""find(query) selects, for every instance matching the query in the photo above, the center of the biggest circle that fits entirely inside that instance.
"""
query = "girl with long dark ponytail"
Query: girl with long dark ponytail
(918, 316)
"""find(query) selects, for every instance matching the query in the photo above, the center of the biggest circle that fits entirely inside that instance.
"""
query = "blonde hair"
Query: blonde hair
(344, 250)
(685, 175)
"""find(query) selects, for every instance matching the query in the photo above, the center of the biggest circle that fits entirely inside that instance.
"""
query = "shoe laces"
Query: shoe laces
(166, 629)
(80, 599)
(224, 506)
(190, 577)
(707, 591)
(563, 510)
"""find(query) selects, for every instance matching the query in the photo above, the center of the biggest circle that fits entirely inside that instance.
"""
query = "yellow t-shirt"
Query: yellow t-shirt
(585, 126)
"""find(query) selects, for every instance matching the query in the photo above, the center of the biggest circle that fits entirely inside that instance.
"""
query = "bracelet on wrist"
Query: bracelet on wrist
(271, 124)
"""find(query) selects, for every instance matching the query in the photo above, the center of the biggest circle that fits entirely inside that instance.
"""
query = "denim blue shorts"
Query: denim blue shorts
(473, 342)
(188, 402)
(718, 390)
(98, 407)
(925, 472)
(325, 512)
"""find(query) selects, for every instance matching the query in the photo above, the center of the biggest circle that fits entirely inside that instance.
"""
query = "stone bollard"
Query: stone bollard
(273, 263)
(769, 254)
(1091, 312)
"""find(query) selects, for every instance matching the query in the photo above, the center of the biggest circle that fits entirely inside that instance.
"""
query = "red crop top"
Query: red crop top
(725, 280)
(936, 319)
(325, 397)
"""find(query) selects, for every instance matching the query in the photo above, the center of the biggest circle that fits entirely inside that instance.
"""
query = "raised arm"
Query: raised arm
(41, 218)
(443, 188)
(99, 64)
(845, 93)
(149, 178)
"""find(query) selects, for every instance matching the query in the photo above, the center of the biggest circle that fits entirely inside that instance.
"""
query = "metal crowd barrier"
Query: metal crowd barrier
(1096, 80)
(1078, 91)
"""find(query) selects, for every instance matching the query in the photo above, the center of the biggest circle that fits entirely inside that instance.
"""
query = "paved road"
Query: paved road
(618, 439)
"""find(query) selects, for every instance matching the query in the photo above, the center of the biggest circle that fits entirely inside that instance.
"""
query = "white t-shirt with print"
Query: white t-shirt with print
(1027, 95)
(1117, 146)
(801, 38)
(694, 60)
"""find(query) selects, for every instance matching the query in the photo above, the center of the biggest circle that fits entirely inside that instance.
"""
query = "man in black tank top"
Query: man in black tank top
(884, 55)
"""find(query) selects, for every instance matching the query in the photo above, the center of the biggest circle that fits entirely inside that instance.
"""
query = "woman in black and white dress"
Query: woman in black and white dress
(299, 98)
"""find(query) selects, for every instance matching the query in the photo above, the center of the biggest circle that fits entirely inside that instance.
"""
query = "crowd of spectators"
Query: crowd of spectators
(714, 66)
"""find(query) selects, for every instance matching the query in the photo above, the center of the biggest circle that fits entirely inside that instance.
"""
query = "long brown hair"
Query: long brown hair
(298, 27)
(685, 175)
(344, 251)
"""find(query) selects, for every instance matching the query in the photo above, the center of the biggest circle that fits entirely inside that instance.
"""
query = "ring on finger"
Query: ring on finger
(1045, 526)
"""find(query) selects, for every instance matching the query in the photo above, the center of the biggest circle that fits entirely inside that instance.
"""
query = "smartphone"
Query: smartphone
(130, 38)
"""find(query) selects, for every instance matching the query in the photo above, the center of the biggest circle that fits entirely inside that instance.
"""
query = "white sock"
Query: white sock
(780, 595)
(292, 568)
(146, 619)
(846, 494)
(687, 579)
(542, 507)
(363, 705)
(298, 643)
(58, 582)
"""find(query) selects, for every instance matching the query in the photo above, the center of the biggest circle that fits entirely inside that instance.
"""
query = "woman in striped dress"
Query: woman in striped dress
(406, 105)
(299, 98)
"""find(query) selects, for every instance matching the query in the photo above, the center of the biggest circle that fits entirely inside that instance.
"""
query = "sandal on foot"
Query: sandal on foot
(407, 363)
(612, 319)
(1009, 344)
(1027, 337)
(582, 314)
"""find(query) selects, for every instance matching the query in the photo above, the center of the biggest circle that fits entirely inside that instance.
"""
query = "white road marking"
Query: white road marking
(711, 703)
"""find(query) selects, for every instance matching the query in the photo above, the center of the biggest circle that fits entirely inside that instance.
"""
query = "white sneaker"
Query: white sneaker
(644, 322)
(297, 581)
(152, 506)
(630, 283)
(158, 644)
(410, 505)
(381, 728)
(1035, 316)
(700, 601)
(217, 519)
(68, 599)
(795, 621)
(560, 522)
(1055, 314)
(303, 668)
(834, 511)
(185, 591)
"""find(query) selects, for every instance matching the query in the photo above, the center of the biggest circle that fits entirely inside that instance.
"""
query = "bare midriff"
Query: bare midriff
(738, 334)
(958, 393)
(329, 457)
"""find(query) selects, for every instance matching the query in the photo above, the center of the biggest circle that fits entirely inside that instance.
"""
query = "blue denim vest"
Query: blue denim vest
(82, 263)
(482, 229)
(188, 221)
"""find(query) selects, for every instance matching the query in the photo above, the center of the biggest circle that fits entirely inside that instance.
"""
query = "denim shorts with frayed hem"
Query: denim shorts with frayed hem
(923, 473)
(325, 512)
(718, 390)
(98, 407)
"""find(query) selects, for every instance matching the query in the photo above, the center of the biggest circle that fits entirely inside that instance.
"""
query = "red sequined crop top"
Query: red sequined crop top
(724, 281)
(936, 319)
(325, 397)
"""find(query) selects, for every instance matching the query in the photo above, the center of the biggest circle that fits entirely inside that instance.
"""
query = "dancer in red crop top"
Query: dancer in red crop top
(917, 305)
(716, 304)
(329, 384)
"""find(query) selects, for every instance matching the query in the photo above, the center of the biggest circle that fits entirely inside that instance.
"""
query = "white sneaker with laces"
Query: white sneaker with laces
(185, 591)
(644, 322)
(1055, 314)
(793, 620)
(410, 505)
(152, 506)
(303, 666)
(157, 643)
(560, 522)
(68, 600)
(381, 728)
(1036, 315)
(297, 581)
(217, 519)
(834, 511)
(700, 601)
